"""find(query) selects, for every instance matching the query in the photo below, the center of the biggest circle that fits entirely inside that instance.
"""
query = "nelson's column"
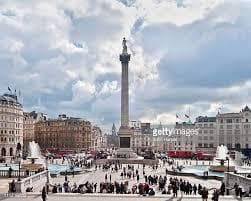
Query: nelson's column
(124, 131)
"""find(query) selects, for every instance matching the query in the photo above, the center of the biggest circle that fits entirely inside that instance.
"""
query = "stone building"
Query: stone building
(64, 133)
(141, 138)
(184, 137)
(207, 140)
(230, 129)
(97, 140)
(234, 130)
(11, 125)
(30, 118)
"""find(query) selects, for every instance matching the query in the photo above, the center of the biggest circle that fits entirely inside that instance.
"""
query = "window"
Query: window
(205, 145)
(237, 146)
(229, 121)
(229, 126)
(211, 145)
(246, 120)
(199, 145)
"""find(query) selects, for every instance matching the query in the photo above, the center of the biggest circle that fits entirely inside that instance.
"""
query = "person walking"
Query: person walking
(204, 194)
(137, 178)
(105, 177)
(222, 188)
(216, 195)
(44, 194)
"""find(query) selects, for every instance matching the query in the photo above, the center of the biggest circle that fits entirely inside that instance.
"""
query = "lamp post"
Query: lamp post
(227, 158)
(47, 175)
(19, 167)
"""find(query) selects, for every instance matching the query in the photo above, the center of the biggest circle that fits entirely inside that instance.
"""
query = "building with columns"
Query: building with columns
(11, 125)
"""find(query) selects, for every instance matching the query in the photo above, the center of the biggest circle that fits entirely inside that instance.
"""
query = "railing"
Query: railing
(15, 173)
(36, 181)
(231, 178)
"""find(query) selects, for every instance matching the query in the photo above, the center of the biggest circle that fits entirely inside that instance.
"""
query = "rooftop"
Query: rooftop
(9, 99)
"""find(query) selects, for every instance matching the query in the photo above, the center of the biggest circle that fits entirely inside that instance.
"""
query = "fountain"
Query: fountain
(36, 158)
(219, 161)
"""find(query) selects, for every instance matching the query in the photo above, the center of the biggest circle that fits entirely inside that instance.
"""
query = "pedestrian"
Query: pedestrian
(105, 177)
(44, 194)
(204, 194)
(137, 178)
(222, 188)
(95, 187)
(216, 195)
(194, 189)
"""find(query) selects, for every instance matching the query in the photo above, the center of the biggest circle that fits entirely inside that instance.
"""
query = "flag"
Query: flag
(9, 89)
(177, 116)
(186, 116)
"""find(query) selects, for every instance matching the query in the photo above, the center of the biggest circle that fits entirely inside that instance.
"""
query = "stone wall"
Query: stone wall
(230, 179)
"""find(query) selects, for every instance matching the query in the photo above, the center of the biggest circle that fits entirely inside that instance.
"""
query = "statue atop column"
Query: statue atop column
(124, 46)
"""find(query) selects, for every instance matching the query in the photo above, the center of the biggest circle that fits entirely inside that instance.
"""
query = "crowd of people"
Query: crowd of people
(130, 173)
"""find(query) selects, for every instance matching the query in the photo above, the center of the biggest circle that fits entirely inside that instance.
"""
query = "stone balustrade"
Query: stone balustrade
(241, 179)
(37, 181)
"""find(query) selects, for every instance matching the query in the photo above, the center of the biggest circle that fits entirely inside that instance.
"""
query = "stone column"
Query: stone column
(124, 131)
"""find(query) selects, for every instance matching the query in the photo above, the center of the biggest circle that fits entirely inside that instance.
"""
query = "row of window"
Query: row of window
(230, 121)
(205, 125)
(206, 138)
(206, 131)
(10, 125)
(11, 132)
(206, 145)
(10, 118)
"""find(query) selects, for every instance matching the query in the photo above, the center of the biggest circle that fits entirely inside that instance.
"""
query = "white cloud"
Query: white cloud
(67, 53)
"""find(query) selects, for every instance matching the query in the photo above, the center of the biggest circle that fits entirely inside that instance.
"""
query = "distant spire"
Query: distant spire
(114, 130)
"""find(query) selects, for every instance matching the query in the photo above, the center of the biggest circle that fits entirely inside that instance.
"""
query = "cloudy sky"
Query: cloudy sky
(64, 56)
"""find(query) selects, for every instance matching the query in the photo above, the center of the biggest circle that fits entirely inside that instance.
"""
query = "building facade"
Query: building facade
(30, 118)
(234, 130)
(207, 139)
(230, 129)
(11, 125)
(64, 133)
(183, 140)
(142, 138)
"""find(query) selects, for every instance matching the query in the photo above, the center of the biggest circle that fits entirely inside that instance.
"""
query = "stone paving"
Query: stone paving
(99, 176)
(105, 197)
